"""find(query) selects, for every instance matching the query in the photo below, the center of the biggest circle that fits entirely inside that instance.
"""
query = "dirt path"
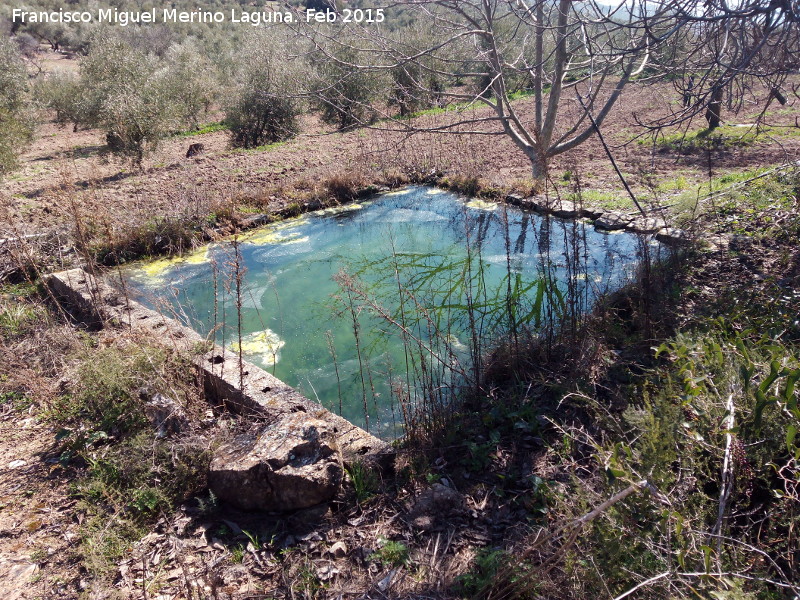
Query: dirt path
(38, 528)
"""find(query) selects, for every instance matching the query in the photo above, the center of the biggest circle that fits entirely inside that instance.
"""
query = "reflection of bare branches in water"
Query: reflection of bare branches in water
(332, 349)
(351, 290)
(435, 299)
(439, 299)
(428, 313)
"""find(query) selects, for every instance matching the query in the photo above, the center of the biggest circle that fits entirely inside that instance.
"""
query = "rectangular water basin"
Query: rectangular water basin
(368, 307)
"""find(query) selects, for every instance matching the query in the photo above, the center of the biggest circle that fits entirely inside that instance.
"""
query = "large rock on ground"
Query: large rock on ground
(166, 415)
(647, 224)
(293, 463)
(592, 212)
(565, 209)
(674, 237)
(612, 221)
(435, 506)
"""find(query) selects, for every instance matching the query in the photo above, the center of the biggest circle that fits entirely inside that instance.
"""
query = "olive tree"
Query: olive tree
(63, 93)
(556, 50)
(137, 98)
(124, 95)
(345, 93)
(192, 80)
(414, 87)
(59, 36)
(16, 120)
(265, 103)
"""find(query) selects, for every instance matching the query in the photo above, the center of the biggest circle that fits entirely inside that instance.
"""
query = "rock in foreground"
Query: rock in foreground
(434, 507)
(292, 464)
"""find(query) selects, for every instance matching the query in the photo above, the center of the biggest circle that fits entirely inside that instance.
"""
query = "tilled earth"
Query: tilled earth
(65, 175)
(191, 554)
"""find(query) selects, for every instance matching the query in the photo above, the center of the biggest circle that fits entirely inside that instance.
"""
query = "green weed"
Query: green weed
(673, 184)
(365, 481)
(238, 553)
(391, 554)
(254, 539)
(17, 400)
(483, 574)
(204, 129)
(17, 312)
(265, 147)
(306, 582)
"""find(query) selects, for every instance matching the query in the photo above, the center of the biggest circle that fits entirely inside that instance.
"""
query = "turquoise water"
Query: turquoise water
(396, 289)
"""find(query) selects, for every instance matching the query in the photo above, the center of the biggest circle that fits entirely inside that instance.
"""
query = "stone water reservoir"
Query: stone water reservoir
(365, 305)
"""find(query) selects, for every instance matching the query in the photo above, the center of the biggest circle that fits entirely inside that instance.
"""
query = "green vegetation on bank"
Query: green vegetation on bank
(687, 378)
(124, 476)
(16, 118)
(702, 403)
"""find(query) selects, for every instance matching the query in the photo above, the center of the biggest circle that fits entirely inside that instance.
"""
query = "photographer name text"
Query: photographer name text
(123, 18)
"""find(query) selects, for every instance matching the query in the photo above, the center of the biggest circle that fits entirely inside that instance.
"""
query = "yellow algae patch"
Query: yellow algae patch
(273, 234)
(157, 269)
(266, 344)
(333, 210)
(198, 257)
(398, 192)
(269, 236)
(264, 238)
(588, 277)
(455, 343)
(482, 204)
(434, 192)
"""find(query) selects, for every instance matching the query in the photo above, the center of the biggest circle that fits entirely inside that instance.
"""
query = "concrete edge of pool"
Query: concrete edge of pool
(93, 301)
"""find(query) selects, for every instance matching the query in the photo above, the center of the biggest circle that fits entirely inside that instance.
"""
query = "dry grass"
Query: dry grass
(531, 456)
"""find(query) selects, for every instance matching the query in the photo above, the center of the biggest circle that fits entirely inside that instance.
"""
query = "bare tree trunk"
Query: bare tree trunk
(714, 108)
(538, 167)
(538, 78)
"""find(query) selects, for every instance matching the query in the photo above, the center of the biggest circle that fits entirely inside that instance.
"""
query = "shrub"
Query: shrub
(344, 187)
(126, 476)
(345, 93)
(265, 107)
(137, 98)
(16, 120)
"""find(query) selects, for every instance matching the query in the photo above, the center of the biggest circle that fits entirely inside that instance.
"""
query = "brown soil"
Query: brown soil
(39, 531)
(66, 173)
(191, 553)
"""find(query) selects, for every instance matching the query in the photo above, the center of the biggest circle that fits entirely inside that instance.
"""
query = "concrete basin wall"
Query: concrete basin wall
(252, 392)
